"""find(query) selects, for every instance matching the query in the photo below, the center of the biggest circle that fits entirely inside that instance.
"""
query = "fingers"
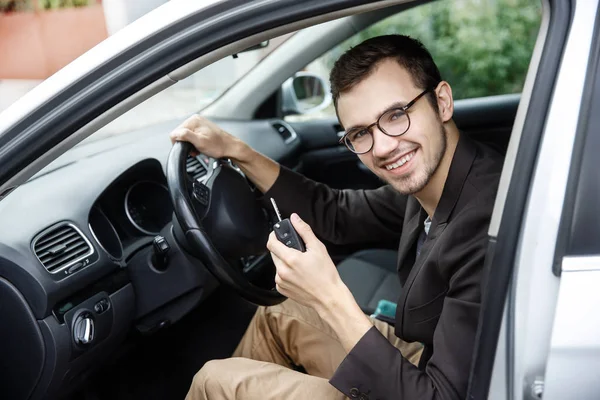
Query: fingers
(204, 135)
(276, 247)
(186, 131)
(305, 231)
(180, 134)
(281, 274)
(196, 137)
(278, 283)
(284, 254)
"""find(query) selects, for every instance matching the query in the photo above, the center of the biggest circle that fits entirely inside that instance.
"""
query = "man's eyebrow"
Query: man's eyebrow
(398, 104)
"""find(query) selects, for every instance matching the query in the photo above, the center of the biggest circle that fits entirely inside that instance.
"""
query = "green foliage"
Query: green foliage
(54, 4)
(28, 5)
(482, 47)
(7, 6)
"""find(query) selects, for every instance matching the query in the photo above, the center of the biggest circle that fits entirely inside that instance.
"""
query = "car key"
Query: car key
(285, 232)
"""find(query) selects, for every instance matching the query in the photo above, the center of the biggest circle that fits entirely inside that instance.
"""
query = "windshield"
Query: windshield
(191, 94)
(170, 106)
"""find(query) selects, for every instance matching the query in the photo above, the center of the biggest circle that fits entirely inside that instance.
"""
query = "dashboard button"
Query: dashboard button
(101, 306)
(201, 193)
(75, 267)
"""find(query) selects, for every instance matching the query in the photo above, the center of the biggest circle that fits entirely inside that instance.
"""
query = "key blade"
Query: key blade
(276, 209)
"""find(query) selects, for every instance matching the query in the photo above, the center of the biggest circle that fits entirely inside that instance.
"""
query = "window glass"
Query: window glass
(191, 94)
(482, 47)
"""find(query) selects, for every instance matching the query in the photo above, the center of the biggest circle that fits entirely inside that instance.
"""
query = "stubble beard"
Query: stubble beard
(416, 181)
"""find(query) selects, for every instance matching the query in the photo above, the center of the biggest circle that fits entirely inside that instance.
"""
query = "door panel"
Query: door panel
(487, 119)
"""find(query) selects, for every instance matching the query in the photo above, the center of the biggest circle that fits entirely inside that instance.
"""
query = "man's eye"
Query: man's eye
(358, 134)
(394, 115)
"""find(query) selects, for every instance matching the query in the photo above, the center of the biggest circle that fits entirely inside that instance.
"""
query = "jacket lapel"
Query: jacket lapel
(463, 159)
(408, 266)
(410, 233)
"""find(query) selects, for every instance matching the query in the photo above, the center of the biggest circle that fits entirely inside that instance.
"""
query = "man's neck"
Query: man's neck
(430, 195)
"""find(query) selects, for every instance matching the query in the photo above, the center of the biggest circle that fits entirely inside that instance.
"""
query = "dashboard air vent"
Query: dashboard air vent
(285, 131)
(60, 247)
(194, 168)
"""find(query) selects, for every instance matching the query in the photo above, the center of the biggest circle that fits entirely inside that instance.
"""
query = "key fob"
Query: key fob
(285, 232)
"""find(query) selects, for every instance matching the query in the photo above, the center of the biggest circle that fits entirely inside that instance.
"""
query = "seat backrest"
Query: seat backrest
(488, 119)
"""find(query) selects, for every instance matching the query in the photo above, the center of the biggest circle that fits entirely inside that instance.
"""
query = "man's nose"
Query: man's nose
(383, 144)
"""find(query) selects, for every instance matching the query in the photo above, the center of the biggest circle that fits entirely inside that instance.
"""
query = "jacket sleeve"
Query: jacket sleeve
(340, 216)
(377, 369)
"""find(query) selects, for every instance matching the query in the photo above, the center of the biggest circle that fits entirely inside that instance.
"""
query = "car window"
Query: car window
(481, 48)
(190, 94)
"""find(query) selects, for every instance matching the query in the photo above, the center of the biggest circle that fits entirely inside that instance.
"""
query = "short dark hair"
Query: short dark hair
(358, 62)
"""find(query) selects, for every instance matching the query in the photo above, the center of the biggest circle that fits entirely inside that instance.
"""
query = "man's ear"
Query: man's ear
(445, 101)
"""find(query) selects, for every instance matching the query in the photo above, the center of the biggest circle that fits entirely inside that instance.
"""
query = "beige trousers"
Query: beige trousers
(277, 339)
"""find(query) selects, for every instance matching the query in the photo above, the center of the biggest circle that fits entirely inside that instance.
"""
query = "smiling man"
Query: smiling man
(397, 113)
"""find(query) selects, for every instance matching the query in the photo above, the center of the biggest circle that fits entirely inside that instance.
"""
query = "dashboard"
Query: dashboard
(132, 209)
(76, 248)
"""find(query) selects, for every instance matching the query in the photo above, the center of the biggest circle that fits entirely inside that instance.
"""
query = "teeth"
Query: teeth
(400, 162)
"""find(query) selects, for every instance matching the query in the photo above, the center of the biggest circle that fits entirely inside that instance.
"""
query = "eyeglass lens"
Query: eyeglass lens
(393, 123)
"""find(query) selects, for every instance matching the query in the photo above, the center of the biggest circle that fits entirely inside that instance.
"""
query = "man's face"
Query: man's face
(406, 162)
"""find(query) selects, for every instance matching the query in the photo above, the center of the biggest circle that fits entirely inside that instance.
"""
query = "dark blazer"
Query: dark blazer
(441, 289)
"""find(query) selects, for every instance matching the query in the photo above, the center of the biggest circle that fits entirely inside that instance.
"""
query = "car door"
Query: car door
(485, 109)
(573, 362)
(538, 334)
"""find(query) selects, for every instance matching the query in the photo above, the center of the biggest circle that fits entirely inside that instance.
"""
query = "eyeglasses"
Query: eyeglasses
(393, 122)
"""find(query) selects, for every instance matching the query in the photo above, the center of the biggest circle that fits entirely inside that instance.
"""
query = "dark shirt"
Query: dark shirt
(441, 288)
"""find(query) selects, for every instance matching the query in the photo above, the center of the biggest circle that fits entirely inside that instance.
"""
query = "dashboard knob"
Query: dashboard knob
(83, 329)
(160, 253)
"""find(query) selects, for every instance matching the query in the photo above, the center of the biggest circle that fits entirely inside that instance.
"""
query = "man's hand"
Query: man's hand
(208, 138)
(311, 278)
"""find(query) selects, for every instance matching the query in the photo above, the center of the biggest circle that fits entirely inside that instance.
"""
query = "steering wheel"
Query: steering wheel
(221, 220)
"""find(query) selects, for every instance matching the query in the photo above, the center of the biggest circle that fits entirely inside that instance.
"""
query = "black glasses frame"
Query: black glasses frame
(376, 123)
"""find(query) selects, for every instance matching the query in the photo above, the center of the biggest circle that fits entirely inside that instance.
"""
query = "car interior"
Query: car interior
(108, 296)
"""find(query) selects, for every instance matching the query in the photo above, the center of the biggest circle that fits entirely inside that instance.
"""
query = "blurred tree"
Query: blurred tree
(482, 47)
(7, 6)
(53, 4)
(28, 5)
